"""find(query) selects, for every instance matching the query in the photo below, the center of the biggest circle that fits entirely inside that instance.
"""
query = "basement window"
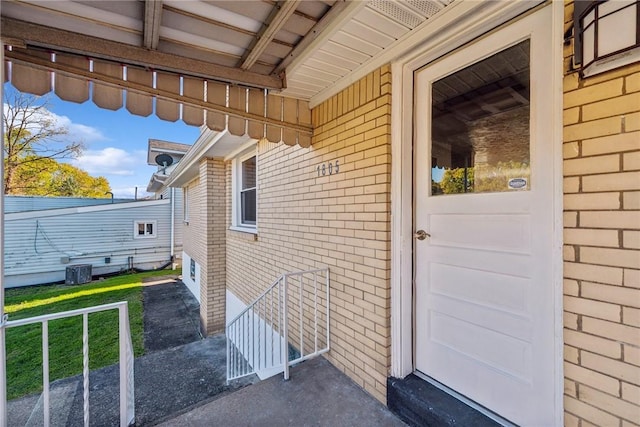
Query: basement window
(144, 229)
(607, 35)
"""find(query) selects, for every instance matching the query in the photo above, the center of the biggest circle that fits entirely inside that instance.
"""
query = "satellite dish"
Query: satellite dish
(164, 160)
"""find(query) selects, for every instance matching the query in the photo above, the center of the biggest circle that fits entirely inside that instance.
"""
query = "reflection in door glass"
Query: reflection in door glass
(480, 126)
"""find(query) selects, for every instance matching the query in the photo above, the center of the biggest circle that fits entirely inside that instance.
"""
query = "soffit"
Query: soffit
(364, 33)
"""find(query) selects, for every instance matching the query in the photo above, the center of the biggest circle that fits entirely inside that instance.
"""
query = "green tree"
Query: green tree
(453, 181)
(32, 136)
(48, 177)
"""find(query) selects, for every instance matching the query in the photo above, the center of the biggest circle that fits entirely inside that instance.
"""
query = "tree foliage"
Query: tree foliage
(454, 181)
(34, 141)
(31, 137)
(48, 177)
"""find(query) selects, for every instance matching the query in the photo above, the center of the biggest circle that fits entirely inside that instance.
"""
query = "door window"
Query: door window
(480, 126)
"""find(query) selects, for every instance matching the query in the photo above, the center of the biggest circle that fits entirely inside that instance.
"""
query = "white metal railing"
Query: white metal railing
(127, 407)
(285, 325)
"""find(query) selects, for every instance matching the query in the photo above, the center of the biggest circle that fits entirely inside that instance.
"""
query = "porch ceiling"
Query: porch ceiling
(293, 48)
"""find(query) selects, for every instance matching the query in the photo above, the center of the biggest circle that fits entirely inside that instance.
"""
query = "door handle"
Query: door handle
(421, 235)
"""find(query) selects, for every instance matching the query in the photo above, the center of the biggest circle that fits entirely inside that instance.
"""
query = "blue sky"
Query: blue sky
(116, 141)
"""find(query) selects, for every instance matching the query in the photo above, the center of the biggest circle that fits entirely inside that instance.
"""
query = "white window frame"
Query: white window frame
(185, 205)
(236, 184)
(152, 235)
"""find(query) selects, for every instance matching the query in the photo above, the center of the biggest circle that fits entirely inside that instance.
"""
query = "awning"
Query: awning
(171, 96)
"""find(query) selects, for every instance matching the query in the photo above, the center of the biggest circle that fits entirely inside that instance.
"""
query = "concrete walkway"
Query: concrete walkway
(316, 395)
(171, 314)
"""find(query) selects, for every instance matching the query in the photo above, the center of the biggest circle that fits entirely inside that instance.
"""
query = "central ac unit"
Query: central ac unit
(78, 274)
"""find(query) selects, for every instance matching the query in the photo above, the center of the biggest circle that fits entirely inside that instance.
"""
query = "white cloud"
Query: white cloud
(112, 161)
(77, 132)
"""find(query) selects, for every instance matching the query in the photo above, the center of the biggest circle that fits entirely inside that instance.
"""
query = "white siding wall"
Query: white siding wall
(38, 243)
(179, 217)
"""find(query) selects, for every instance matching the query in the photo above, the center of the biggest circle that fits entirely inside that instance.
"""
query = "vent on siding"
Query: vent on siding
(410, 13)
(394, 11)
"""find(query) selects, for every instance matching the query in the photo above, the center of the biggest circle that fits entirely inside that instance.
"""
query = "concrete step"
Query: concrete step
(419, 403)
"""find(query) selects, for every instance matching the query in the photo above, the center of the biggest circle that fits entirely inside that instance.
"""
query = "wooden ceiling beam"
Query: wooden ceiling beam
(278, 17)
(152, 19)
(337, 9)
(65, 41)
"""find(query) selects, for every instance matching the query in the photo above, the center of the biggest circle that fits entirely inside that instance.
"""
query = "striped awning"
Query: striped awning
(171, 96)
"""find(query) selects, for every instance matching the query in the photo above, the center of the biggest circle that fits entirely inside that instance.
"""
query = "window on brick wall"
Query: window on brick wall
(245, 191)
(185, 204)
(607, 35)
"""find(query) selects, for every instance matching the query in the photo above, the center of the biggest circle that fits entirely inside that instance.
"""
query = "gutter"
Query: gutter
(173, 227)
(3, 349)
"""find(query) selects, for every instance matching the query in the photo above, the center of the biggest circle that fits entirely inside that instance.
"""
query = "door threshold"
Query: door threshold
(484, 411)
(422, 401)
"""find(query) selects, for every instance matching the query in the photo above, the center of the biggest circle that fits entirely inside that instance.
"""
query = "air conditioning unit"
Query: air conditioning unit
(78, 274)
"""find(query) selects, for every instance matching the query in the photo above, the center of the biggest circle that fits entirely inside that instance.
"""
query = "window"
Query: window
(480, 126)
(607, 35)
(144, 229)
(245, 191)
(185, 204)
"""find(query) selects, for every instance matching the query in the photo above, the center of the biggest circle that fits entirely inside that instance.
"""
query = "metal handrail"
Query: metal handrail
(127, 407)
(258, 337)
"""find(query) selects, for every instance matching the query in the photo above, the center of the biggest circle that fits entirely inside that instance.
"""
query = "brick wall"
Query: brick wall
(213, 272)
(204, 241)
(193, 243)
(340, 220)
(602, 242)
(193, 240)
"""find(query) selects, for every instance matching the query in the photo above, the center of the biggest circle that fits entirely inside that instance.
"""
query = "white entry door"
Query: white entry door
(484, 192)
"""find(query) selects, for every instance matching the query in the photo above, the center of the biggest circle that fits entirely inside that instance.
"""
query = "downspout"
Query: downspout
(3, 349)
(173, 227)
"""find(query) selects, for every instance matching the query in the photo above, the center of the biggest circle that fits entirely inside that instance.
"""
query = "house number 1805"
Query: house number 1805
(328, 168)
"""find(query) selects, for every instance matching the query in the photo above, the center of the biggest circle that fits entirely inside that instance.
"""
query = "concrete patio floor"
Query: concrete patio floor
(316, 395)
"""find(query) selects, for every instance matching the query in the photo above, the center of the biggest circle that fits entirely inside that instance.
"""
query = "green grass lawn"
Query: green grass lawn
(24, 343)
